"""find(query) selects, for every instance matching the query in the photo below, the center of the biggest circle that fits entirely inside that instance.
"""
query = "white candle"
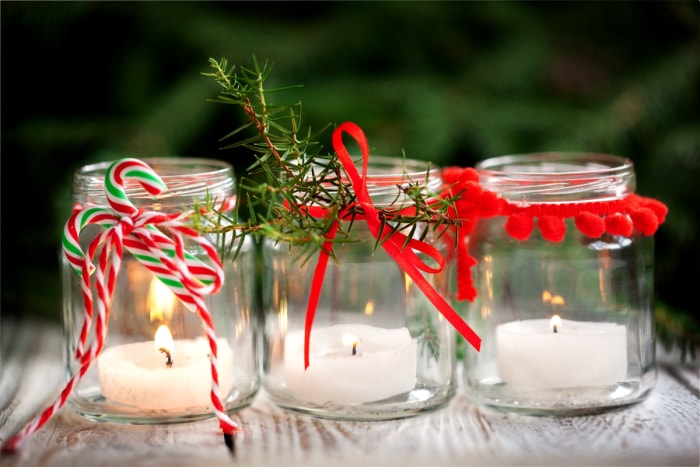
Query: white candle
(580, 353)
(136, 374)
(383, 364)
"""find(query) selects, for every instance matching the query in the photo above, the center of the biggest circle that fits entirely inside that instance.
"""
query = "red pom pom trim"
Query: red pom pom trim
(552, 228)
(589, 224)
(488, 206)
(622, 217)
(659, 208)
(519, 226)
(618, 224)
(450, 175)
(592, 218)
(645, 221)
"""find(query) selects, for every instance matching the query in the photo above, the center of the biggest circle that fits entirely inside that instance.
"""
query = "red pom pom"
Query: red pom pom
(645, 221)
(450, 175)
(469, 175)
(590, 224)
(659, 208)
(488, 205)
(472, 190)
(454, 174)
(468, 225)
(618, 224)
(552, 228)
(519, 226)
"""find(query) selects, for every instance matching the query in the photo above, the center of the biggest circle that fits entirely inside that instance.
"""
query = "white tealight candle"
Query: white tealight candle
(557, 354)
(351, 364)
(137, 374)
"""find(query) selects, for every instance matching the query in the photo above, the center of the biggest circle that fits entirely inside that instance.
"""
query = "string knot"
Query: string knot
(126, 224)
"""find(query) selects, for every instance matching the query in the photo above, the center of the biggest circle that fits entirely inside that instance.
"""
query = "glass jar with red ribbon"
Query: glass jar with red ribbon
(353, 332)
(159, 318)
(563, 276)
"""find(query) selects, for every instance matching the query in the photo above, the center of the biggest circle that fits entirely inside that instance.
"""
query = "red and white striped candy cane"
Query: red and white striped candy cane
(134, 229)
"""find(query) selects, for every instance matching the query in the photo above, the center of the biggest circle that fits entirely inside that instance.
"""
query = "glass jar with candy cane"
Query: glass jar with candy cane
(159, 320)
(563, 282)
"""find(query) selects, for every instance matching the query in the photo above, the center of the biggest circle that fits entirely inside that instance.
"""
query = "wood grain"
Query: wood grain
(663, 430)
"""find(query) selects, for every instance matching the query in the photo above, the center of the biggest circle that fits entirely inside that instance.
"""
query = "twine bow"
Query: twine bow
(126, 226)
(397, 245)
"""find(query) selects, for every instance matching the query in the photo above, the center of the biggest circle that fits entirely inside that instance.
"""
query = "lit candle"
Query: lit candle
(351, 364)
(138, 374)
(559, 353)
(163, 374)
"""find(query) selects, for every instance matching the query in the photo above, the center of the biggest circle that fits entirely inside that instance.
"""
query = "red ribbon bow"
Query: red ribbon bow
(397, 245)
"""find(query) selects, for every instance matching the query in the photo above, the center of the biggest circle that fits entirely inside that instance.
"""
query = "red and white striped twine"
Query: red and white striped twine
(136, 230)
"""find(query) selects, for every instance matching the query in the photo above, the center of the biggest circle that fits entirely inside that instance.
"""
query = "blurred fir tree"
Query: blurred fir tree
(451, 82)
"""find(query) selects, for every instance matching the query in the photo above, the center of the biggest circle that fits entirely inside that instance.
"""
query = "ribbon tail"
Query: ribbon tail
(431, 294)
(443, 307)
(316, 287)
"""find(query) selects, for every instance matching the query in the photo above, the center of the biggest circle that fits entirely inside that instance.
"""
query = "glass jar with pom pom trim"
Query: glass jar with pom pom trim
(564, 285)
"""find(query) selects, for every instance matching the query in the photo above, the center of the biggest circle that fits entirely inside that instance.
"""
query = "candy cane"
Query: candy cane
(135, 229)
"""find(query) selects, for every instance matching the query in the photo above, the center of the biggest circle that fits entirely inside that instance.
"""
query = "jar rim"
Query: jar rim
(214, 166)
(586, 162)
(185, 178)
(558, 176)
(386, 175)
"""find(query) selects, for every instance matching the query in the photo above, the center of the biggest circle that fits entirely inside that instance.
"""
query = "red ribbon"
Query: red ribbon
(396, 244)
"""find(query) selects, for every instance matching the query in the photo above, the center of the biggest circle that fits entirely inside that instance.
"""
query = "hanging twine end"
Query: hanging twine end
(229, 441)
(9, 448)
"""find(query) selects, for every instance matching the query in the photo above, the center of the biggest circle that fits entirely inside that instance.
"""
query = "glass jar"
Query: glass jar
(133, 379)
(566, 317)
(378, 347)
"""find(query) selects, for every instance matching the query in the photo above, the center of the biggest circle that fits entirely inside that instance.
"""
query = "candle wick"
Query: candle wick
(169, 361)
(354, 348)
(554, 328)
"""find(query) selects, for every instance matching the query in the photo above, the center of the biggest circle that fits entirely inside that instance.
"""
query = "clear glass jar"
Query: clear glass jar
(131, 381)
(599, 350)
(378, 348)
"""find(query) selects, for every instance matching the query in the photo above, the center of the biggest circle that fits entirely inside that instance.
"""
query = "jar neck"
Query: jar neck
(558, 177)
(189, 181)
(388, 178)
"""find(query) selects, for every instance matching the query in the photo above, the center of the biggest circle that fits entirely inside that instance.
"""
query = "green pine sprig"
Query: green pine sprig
(297, 175)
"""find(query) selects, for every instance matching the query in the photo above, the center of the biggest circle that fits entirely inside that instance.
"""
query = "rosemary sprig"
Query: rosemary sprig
(297, 175)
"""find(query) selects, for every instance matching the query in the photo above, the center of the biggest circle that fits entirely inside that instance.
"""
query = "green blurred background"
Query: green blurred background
(450, 82)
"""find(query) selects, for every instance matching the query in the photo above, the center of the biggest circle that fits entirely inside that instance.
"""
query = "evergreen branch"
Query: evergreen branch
(298, 178)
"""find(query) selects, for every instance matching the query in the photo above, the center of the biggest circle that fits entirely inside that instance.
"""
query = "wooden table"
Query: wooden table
(663, 430)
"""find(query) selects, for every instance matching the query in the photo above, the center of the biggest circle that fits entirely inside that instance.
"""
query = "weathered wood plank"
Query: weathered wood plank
(663, 430)
(31, 373)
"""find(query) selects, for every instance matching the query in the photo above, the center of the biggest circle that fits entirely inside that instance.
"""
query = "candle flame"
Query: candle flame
(369, 308)
(557, 300)
(350, 340)
(160, 302)
(555, 323)
(546, 296)
(164, 339)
